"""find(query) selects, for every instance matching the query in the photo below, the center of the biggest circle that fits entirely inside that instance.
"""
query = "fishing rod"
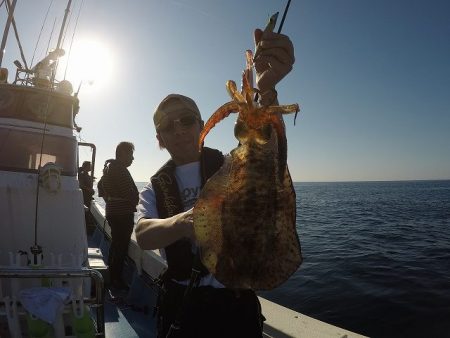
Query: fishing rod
(273, 20)
(284, 16)
(279, 31)
(36, 249)
(271, 26)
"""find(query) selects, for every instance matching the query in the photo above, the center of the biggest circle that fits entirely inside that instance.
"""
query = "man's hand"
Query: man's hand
(273, 59)
(185, 224)
(157, 233)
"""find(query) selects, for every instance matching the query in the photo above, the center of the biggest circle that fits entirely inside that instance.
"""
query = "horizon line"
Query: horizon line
(361, 181)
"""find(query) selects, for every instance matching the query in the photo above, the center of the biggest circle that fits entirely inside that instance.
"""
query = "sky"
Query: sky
(372, 78)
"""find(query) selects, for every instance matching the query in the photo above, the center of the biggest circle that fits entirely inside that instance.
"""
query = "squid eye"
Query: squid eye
(241, 131)
(264, 134)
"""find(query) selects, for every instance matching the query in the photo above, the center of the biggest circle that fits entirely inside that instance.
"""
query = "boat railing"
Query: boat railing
(24, 77)
(94, 301)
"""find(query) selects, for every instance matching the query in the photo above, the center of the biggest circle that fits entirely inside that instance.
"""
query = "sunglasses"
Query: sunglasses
(168, 125)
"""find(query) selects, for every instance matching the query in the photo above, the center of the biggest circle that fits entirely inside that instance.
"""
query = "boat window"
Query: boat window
(21, 151)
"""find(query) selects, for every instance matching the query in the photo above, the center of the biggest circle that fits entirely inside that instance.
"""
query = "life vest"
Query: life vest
(179, 254)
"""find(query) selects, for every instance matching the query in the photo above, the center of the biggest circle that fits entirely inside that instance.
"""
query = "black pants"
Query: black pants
(121, 229)
(210, 312)
(87, 198)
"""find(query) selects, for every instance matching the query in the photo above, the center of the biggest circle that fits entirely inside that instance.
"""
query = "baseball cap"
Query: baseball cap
(173, 103)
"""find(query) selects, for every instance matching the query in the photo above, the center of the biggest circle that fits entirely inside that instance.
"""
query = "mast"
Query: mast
(6, 31)
(58, 49)
(61, 32)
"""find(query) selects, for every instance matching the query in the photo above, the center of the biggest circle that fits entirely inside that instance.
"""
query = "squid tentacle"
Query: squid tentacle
(278, 125)
(221, 113)
(282, 109)
(233, 92)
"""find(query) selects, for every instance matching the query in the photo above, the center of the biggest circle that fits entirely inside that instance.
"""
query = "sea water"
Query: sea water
(376, 257)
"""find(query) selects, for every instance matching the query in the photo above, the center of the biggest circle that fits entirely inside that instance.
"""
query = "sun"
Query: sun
(89, 63)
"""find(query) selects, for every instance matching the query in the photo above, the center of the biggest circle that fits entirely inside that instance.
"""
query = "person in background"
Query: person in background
(86, 183)
(165, 211)
(121, 196)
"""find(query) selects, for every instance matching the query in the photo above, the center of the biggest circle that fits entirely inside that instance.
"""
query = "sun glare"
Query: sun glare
(90, 62)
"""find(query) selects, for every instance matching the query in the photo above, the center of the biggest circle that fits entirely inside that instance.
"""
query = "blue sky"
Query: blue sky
(372, 78)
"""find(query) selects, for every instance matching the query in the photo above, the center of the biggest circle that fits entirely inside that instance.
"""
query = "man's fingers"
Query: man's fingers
(271, 57)
(273, 44)
(276, 65)
(257, 35)
(272, 75)
(281, 54)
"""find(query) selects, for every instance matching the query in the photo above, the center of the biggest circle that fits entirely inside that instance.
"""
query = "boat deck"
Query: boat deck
(127, 313)
(130, 314)
(127, 317)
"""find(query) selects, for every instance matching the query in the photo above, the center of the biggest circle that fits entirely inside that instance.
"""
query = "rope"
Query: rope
(42, 28)
(16, 33)
(50, 38)
(73, 37)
